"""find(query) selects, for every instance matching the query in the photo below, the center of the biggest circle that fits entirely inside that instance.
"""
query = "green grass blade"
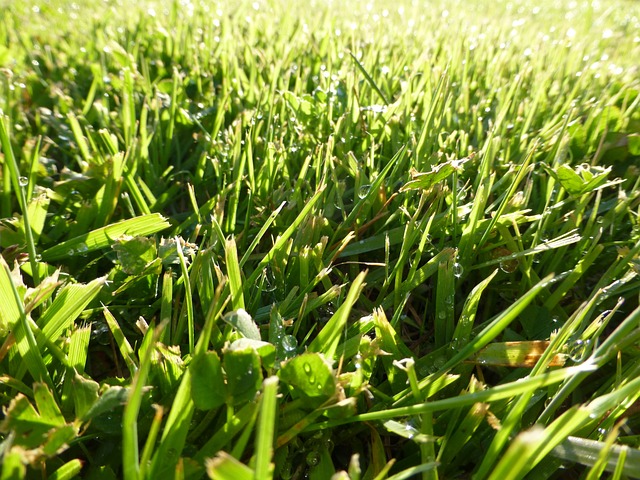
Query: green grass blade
(130, 452)
(328, 338)
(105, 236)
(121, 341)
(17, 319)
(233, 272)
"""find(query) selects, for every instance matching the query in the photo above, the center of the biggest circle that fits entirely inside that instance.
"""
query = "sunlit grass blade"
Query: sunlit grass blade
(69, 303)
(105, 236)
(233, 272)
(121, 341)
(18, 320)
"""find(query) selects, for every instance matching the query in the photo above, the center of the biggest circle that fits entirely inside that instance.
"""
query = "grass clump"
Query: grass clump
(264, 240)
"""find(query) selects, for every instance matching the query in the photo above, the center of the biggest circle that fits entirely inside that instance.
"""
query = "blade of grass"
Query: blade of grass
(369, 78)
(130, 450)
(233, 272)
(266, 429)
(105, 236)
(328, 338)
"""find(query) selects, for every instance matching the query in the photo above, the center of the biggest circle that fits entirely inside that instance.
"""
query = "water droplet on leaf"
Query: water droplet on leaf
(364, 191)
(289, 343)
(458, 270)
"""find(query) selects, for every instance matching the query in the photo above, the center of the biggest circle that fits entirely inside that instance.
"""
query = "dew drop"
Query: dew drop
(23, 181)
(269, 279)
(357, 361)
(458, 270)
(312, 459)
(411, 431)
(289, 343)
(364, 191)
(509, 266)
(307, 368)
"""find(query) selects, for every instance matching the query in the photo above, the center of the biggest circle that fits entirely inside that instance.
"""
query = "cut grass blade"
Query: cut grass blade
(105, 236)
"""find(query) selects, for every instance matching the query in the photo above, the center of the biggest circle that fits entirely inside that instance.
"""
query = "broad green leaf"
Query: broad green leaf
(242, 321)
(58, 439)
(303, 106)
(47, 404)
(309, 376)
(244, 374)
(134, 253)
(29, 427)
(85, 395)
(266, 350)
(168, 250)
(342, 409)
(438, 173)
(208, 388)
(13, 467)
(103, 237)
(112, 398)
(582, 179)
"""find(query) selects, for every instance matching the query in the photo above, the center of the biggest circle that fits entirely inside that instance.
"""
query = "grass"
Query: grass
(282, 240)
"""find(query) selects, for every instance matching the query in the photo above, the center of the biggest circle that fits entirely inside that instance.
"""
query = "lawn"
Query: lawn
(319, 240)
